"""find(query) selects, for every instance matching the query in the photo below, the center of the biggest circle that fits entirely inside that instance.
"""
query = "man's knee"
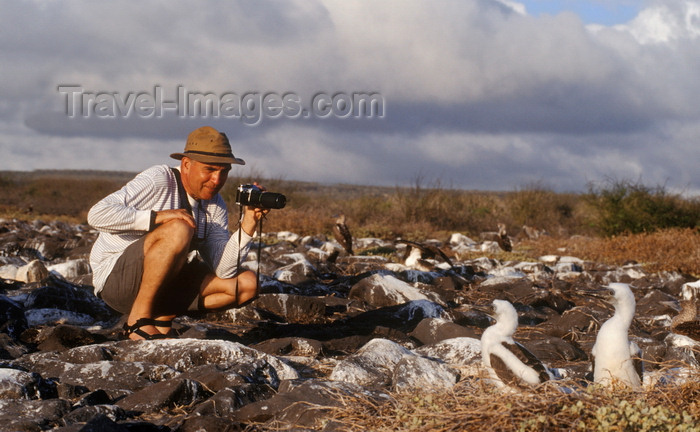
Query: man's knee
(179, 227)
(220, 293)
(247, 285)
(175, 234)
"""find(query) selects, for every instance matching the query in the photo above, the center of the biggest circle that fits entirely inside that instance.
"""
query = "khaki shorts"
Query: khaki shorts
(123, 283)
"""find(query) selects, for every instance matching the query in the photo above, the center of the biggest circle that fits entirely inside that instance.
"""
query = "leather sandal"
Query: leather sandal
(135, 328)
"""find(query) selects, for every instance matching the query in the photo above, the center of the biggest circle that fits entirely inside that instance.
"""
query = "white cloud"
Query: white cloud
(666, 21)
(515, 6)
(477, 93)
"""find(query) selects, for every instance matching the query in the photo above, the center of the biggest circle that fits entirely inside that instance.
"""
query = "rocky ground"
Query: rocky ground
(323, 329)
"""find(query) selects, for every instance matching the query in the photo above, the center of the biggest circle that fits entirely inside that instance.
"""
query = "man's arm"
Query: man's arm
(251, 217)
(115, 213)
(130, 209)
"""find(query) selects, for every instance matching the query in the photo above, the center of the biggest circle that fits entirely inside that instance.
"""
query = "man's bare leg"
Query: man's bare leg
(165, 252)
(218, 293)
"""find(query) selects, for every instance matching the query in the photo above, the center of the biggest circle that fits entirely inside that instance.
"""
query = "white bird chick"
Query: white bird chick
(508, 362)
(615, 357)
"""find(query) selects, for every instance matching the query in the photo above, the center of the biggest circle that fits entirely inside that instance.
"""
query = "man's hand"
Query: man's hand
(168, 215)
(252, 215)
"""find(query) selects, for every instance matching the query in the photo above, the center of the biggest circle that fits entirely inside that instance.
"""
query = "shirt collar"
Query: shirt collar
(193, 202)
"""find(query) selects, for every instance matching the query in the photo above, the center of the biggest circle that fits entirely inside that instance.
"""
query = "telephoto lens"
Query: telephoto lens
(253, 196)
(272, 200)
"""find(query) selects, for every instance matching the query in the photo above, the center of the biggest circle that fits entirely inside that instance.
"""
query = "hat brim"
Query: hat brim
(209, 158)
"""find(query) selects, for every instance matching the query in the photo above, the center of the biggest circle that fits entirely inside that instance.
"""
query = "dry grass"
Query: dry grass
(473, 406)
(665, 250)
(420, 213)
(62, 195)
(417, 213)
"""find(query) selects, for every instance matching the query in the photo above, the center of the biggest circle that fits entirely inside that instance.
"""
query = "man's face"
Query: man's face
(203, 180)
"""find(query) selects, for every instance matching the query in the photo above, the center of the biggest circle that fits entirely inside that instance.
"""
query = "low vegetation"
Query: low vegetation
(625, 207)
(672, 249)
(472, 406)
(614, 222)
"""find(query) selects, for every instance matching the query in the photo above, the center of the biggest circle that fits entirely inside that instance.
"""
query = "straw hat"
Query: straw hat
(207, 145)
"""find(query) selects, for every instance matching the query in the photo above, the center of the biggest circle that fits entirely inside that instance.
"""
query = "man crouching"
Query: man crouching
(164, 247)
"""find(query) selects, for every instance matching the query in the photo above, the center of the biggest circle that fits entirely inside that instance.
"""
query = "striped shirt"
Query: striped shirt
(124, 216)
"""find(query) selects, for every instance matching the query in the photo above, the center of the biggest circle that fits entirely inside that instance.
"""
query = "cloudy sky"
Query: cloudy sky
(477, 94)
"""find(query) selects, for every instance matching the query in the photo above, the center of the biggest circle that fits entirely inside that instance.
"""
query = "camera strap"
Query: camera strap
(184, 201)
(185, 204)
(238, 258)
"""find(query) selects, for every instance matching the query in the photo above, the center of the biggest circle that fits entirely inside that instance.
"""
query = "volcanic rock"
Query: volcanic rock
(320, 333)
(432, 330)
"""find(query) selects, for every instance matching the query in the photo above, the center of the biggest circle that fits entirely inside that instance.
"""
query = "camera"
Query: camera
(253, 196)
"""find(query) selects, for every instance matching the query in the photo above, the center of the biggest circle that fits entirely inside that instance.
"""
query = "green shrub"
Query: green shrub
(622, 206)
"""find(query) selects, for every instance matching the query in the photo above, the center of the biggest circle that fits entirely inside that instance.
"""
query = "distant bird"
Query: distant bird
(532, 233)
(683, 342)
(614, 356)
(686, 322)
(507, 361)
(501, 237)
(342, 234)
(417, 254)
(413, 258)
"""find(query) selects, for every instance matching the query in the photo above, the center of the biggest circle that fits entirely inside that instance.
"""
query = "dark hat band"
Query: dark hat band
(209, 153)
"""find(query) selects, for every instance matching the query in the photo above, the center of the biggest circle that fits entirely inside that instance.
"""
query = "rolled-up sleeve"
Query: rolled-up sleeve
(126, 210)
